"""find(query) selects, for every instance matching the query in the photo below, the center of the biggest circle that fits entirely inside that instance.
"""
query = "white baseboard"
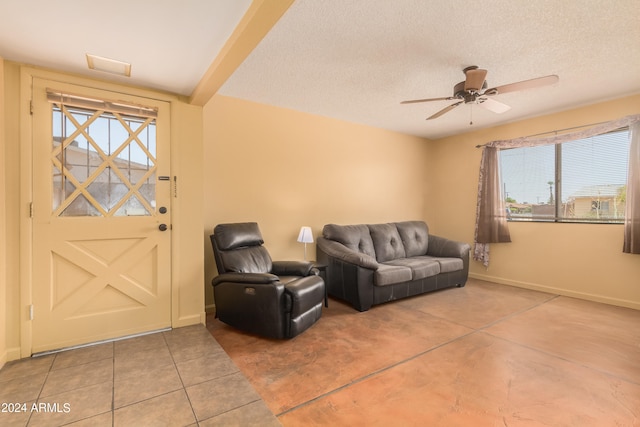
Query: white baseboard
(558, 291)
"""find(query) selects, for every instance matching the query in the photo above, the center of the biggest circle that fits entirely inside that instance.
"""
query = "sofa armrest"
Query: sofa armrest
(442, 247)
(292, 268)
(338, 250)
(248, 278)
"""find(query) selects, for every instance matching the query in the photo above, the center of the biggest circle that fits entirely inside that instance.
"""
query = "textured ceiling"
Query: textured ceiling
(354, 60)
(357, 59)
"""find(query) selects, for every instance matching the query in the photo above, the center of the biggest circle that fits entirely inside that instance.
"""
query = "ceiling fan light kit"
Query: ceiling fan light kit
(473, 90)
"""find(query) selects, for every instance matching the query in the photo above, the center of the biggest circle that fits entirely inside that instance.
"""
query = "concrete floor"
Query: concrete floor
(482, 355)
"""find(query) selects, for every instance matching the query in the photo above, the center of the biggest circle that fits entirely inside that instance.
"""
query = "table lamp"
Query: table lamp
(305, 236)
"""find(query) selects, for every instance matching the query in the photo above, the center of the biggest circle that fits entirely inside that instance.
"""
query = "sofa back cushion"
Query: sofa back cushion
(415, 237)
(386, 242)
(354, 237)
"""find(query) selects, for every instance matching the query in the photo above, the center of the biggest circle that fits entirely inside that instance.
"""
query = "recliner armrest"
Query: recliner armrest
(338, 250)
(250, 278)
(291, 268)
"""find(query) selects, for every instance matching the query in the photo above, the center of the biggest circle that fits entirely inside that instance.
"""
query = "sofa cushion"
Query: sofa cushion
(415, 237)
(388, 274)
(387, 242)
(447, 265)
(421, 267)
(354, 237)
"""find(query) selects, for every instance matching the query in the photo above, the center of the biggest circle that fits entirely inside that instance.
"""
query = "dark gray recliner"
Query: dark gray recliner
(276, 299)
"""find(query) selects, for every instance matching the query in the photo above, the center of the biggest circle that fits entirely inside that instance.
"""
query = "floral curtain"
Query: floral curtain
(491, 224)
(632, 210)
(491, 211)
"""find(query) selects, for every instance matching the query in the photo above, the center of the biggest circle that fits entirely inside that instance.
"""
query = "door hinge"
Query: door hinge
(30, 209)
(31, 312)
(31, 107)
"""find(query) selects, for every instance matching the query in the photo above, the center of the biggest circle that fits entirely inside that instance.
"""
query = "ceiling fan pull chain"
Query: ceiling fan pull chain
(470, 114)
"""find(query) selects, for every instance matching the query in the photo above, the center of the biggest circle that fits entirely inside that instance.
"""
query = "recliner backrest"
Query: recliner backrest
(238, 249)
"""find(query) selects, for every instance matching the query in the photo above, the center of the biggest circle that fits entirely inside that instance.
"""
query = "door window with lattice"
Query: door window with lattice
(104, 158)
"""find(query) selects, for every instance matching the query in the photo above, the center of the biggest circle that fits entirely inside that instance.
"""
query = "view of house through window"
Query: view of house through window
(107, 165)
(577, 181)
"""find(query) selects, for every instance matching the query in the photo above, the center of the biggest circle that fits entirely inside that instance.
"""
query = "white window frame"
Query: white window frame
(557, 215)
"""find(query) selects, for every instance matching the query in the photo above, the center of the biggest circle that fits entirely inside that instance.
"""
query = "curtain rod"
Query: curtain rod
(554, 131)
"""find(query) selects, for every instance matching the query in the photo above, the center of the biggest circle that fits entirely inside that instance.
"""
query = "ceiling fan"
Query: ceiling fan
(474, 91)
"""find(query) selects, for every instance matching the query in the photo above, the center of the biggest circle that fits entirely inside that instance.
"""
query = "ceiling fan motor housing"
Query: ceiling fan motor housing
(467, 96)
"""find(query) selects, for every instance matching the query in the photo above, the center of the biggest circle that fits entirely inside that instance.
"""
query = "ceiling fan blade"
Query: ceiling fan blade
(475, 79)
(525, 84)
(444, 110)
(413, 101)
(493, 105)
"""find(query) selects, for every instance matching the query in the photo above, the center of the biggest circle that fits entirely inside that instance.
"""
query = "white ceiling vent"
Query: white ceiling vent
(107, 65)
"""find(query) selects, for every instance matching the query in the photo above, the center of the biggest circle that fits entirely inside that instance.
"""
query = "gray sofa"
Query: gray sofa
(377, 263)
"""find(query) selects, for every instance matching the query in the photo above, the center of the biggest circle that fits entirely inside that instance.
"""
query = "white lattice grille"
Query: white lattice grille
(104, 162)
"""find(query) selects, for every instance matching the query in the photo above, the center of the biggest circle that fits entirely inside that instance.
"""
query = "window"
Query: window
(104, 163)
(577, 181)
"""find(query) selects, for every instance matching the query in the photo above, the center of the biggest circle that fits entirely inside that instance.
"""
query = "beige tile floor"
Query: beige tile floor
(482, 355)
(176, 378)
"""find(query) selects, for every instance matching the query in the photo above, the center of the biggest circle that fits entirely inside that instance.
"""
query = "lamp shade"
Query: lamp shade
(306, 235)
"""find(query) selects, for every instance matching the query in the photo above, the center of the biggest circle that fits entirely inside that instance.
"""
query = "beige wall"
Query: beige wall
(186, 164)
(3, 228)
(11, 167)
(581, 260)
(187, 245)
(285, 169)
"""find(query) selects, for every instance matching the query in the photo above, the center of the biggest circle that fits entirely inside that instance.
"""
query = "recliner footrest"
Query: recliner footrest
(304, 294)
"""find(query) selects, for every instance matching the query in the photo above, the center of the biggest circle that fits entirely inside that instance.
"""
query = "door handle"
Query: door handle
(162, 227)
